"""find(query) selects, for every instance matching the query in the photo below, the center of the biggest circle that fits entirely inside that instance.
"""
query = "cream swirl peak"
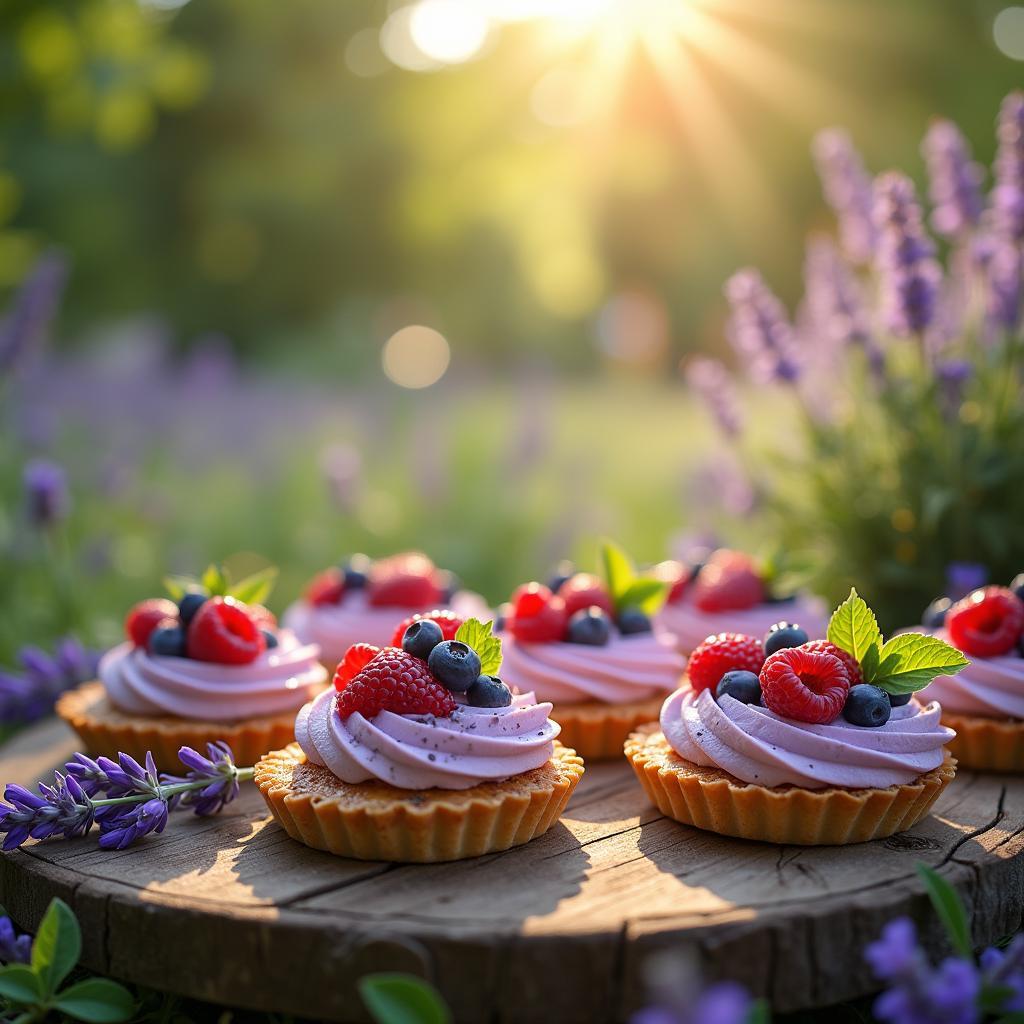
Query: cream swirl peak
(278, 680)
(410, 751)
(626, 668)
(759, 747)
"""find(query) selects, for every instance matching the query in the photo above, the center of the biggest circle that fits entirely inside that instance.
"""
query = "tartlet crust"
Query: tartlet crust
(986, 744)
(597, 731)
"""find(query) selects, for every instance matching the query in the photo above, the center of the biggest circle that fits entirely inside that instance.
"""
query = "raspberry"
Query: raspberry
(986, 623)
(398, 682)
(583, 590)
(448, 621)
(224, 632)
(808, 686)
(676, 575)
(724, 652)
(357, 657)
(536, 616)
(851, 663)
(326, 587)
(728, 582)
(404, 581)
(146, 616)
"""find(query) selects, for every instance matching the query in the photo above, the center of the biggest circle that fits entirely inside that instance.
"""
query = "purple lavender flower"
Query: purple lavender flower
(218, 772)
(24, 698)
(46, 493)
(724, 1003)
(14, 949)
(61, 809)
(847, 188)
(953, 375)
(909, 274)
(1002, 267)
(713, 383)
(759, 329)
(1004, 968)
(964, 577)
(121, 830)
(34, 308)
(126, 777)
(1008, 193)
(955, 186)
(90, 776)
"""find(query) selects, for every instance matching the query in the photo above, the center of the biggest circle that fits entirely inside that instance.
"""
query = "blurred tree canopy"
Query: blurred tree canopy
(260, 168)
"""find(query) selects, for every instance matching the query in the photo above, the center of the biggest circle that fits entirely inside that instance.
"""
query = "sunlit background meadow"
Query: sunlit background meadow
(288, 280)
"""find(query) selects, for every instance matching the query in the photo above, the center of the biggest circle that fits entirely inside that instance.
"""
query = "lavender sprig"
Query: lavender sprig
(14, 949)
(847, 187)
(713, 383)
(759, 329)
(955, 181)
(127, 800)
(1008, 193)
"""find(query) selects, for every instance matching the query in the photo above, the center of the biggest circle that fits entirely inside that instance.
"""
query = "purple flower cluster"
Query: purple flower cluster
(1001, 264)
(46, 493)
(1008, 193)
(14, 948)
(125, 799)
(759, 329)
(713, 383)
(847, 187)
(909, 275)
(34, 307)
(955, 189)
(31, 694)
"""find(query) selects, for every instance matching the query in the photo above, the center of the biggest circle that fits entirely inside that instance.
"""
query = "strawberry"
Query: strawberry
(398, 682)
(146, 616)
(357, 657)
(724, 652)
(405, 581)
(583, 590)
(728, 582)
(448, 621)
(224, 632)
(808, 686)
(537, 616)
(986, 623)
(327, 587)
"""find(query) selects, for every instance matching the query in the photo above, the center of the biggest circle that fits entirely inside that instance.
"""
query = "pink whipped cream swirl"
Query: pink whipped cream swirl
(989, 687)
(471, 746)
(627, 668)
(691, 626)
(278, 681)
(757, 746)
(336, 627)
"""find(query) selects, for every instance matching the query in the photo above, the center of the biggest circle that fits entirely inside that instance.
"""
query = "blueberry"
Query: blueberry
(935, 614)
(867, 705)
(455, 665)
(271, 637)
(897, 700)
(190, 604)
(1017, 586)
(168, 641)
(744, 686)
(589, 626)
(783, 635)
(356, 571)
(562, 572)
(450, 585)
(633, 620)
(421, 638)
(489, 692)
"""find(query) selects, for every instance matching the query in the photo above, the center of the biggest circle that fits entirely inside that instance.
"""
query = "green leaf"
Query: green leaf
(255, 589)
(57, 946)
(478, 635)
(96, 1000)
(20, 984)
(759, 1013)
(402, 999)
(645, 593)
(178, 586)
(853, 627)
(950, 909)
(912, 660)
(215, 581)
(619, 573)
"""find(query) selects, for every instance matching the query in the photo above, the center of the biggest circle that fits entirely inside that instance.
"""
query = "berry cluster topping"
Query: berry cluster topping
(988, 622)
(853, 673)
(581, 608)
(408, 580)
(211, 619)
(728, 581)
(420, 675)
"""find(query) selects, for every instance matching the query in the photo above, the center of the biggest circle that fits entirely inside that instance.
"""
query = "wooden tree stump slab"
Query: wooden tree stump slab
(230, 910)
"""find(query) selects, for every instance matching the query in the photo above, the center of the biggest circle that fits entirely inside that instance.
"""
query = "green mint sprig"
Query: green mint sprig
(216, 582)
(902, 664)
(627, 588)
(478, 635)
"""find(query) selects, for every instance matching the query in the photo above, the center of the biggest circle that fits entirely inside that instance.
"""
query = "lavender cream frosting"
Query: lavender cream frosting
(691, 626)
(278, 681)
(471, 746)
(336, 627)
(757, 746)
(627, 668)
(989, 687)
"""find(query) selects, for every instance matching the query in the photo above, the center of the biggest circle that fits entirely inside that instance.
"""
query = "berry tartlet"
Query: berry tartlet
(788, 740)
(729, 591)
(984, 701)
(209, 665)
(360, 601)
(421, 753)
(590, 646)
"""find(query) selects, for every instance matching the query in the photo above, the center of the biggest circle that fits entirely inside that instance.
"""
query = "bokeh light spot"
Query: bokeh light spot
(451, 31)
(400, 48)
(415, 357)
(1008, 32)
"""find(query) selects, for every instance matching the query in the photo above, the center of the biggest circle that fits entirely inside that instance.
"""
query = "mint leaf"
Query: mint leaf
(645, 593)
(57, 946)
(255, 589)
(912, 660)
(178, 586)
(950, 908)
(477, 634)
(97, 1001)
(215, 581)
(853, 627)
(20, 984)
(619, 573)
(402, 999)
